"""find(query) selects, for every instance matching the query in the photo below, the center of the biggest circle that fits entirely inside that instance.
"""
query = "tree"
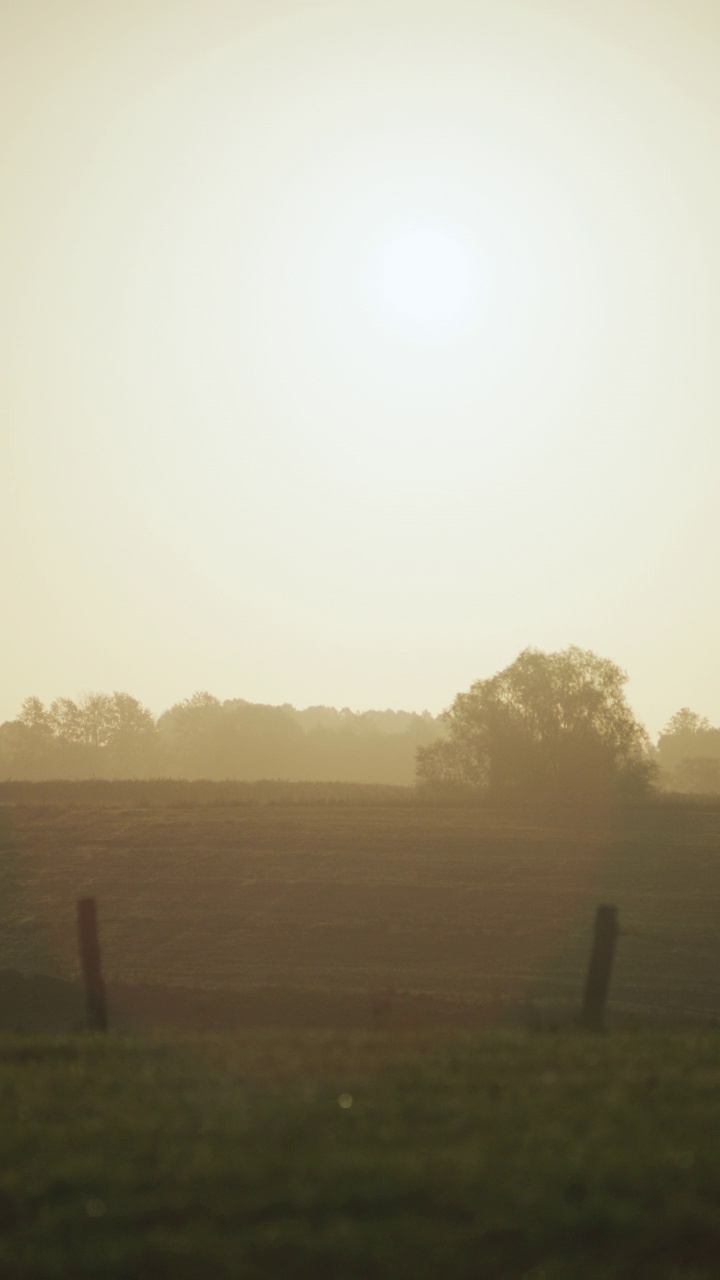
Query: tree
(686, 722)
(79, 729)
(549, 726)
(128, 719)
(209, 739)
(131, 745)
(36, 718)
(687, 748)
(26, 744)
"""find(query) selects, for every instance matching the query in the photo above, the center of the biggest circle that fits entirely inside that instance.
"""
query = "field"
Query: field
(297, 908)
(345, 1156)
(387, 1095)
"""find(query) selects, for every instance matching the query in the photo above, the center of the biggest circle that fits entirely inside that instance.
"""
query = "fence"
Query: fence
(592, 1013)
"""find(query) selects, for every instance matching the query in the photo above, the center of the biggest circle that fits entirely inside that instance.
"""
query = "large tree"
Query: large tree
(549, 726)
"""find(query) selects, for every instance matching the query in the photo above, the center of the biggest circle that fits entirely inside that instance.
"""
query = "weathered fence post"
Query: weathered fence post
(599, 971)
(90, 962)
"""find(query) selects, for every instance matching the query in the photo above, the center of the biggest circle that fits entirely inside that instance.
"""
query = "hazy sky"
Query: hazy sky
(349, 348)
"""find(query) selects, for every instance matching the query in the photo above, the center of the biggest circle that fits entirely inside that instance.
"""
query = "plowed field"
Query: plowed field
(377, 899)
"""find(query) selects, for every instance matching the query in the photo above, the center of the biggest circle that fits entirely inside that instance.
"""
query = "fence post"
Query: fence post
(599, 971)
(90, 962)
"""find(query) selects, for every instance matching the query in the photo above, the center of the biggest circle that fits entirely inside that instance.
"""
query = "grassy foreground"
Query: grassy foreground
(276, 1154)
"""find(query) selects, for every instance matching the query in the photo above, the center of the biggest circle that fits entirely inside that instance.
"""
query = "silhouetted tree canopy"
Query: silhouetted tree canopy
(109, 732)
(549, 726)
(113, 736)
(688, 752)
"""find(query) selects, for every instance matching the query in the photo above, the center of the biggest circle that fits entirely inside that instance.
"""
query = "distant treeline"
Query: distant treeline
(114, 736)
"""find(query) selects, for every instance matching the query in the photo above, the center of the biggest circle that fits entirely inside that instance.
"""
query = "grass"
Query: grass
(340, 1155)
(277, 1154)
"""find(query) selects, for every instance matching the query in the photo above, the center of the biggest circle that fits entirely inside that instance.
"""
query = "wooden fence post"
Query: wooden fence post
(599, 971)
(90, 962)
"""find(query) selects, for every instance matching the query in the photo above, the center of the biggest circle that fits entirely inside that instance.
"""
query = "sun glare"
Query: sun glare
(425, 281)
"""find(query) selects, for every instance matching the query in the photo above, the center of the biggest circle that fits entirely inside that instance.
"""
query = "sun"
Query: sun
(425, 281)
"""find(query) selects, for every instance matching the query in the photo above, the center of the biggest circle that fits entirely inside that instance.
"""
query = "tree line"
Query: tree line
(115, 736)
(550, 726)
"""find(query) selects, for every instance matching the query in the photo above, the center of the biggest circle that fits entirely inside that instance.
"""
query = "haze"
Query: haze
(350, 348)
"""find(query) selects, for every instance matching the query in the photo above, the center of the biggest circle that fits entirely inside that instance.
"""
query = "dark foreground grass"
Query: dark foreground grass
(277, 1154)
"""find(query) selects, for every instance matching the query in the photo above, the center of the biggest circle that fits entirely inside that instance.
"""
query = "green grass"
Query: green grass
(543, 1156)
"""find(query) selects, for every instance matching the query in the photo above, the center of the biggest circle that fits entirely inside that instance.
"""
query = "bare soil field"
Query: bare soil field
(284, 909)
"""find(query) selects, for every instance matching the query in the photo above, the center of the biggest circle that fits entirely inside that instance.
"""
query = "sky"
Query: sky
(349, 348)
